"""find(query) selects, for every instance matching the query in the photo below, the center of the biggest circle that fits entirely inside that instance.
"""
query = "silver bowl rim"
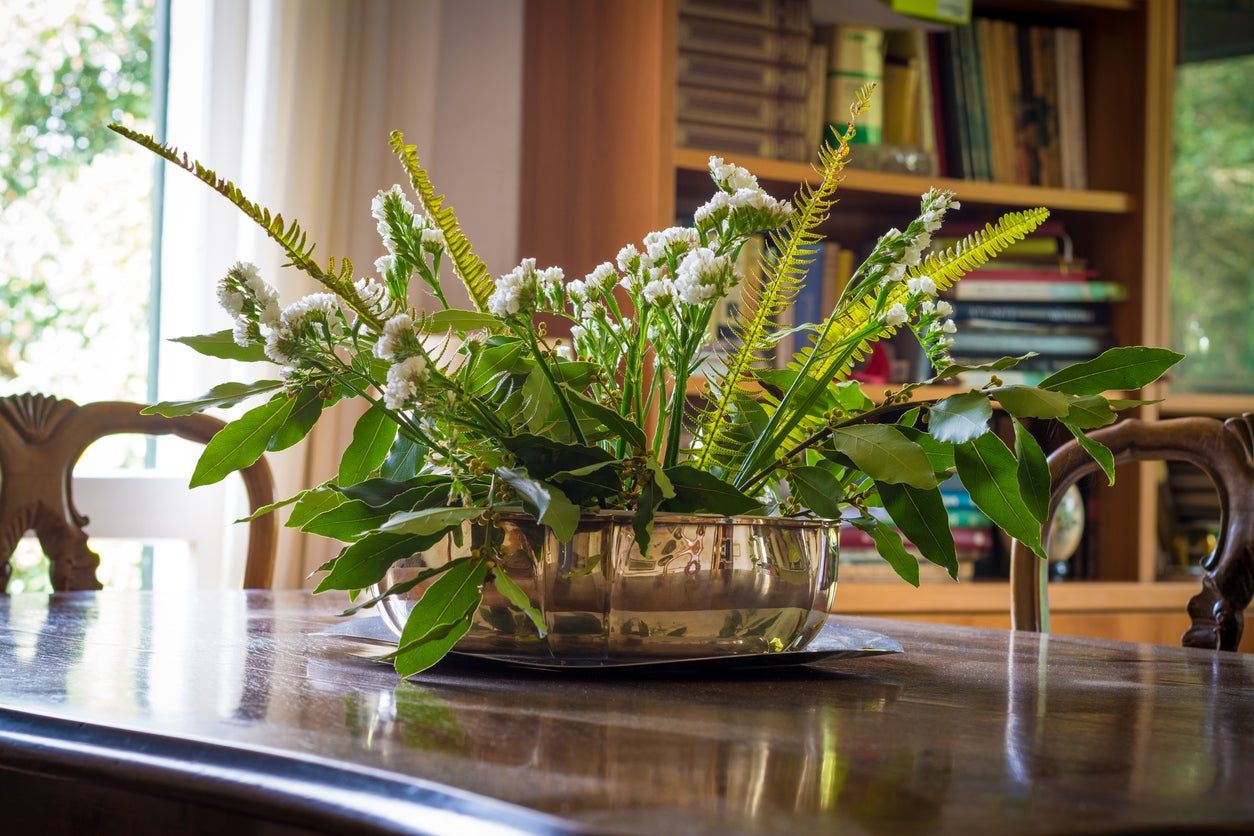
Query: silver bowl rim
(679, 518)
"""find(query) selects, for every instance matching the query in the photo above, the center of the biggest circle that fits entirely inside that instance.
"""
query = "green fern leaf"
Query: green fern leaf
(290, 236)
(767, 296)
(468, 266)
(840, 348)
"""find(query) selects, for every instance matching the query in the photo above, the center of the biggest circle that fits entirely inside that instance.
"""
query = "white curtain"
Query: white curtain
(293, 100)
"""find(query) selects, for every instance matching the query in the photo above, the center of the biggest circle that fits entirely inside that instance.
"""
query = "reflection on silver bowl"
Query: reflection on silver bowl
(709, 586)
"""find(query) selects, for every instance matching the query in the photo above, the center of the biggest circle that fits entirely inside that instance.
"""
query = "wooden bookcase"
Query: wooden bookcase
(600, 168)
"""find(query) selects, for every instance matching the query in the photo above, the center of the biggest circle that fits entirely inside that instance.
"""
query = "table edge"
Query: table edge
(279, 786)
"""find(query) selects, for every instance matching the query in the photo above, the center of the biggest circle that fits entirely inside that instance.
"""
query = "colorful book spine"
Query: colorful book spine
(855, 57)
(968, 341)
(977, 290)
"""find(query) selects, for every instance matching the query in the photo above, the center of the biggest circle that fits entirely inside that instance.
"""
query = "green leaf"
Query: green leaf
(989, 472)
(1032, 472)
(372, 438)
(430, 520)
(909, 418)
(939, 453)
(403, 459)
(222, 395)
(883, 452)
(1030, 402)
(1090, 413)
(998, 365)
(221, 344)
(1100, 452)
(651, 496)
(401, 587)
(538, 401)
(513, 593)
(304, 414)
(449, 602)
(921, 516)
(960, 418)
(452, 319)
(818, 490)
(1118, 368)
(660, 479)
(625, 428)
(888, 544)
(241, 442)
(1120, 404)
(542, 457)
(547, 503)
(346, 522)
(586, 484)
(311, 504)
(384, 493)
(272, 507)
(699, 492)
(366, 562)
(490, 362)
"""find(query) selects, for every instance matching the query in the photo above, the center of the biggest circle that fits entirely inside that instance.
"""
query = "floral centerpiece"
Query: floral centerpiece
(476, 414)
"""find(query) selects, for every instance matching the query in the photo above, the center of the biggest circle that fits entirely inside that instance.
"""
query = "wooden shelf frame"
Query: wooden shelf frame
(913, 185)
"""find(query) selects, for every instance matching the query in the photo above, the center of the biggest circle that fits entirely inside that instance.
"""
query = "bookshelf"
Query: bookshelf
(601, 168)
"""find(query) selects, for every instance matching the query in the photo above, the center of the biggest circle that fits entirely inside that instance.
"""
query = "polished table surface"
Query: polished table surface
(230, 700)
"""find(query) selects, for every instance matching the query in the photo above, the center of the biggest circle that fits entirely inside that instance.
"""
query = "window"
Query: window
(1212, 265)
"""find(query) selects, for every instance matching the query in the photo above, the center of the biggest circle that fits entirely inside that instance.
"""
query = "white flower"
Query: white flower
(578, 332)
(403, 381)
(232, 301)
(385, 264)
(944, 309)
(675, 240)
(603, 276)
(730, 176)
(715, 206)
(370, 291)
(701, 276)
(243, 332)
(398, 340)
(895, 273)
(279, 345)
(565, 352)
(628, 259)
(927, 307)
(658, 291)
(922, 284)
(948, 327)
(767, 211)
(577, 291)
(432, 238)
(896, 315)
(315, 306)
(512, 289)
(550, 277)
(377, 205)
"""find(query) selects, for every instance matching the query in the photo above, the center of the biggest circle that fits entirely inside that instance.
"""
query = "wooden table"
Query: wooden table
(127, 712)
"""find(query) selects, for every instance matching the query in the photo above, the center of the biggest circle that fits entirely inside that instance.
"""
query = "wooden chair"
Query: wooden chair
(42, 438)
(1225, 452)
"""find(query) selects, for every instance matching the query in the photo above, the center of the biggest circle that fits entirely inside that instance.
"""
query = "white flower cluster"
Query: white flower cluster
(283, 340)
(750, 210)
(249, 300)
(514, 290)
(673, 242)
(399, 340)
(702, 276)
(396, 215)
(730, 177)
(907, 248)
(404, 380)
(371, 292)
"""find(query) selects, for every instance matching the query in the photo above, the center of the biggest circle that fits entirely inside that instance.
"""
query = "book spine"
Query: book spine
(974, 289)
(742, 142)
(1028, 109)
(697, 69)
(942, 113)
(968, 341)
(729, 39)
(1012, 89)
(752, 113)
(816, 97)
(785, 15)
(1010, 275)
(970, 72)
(989, 89)
(1076, 314)
(855, 56)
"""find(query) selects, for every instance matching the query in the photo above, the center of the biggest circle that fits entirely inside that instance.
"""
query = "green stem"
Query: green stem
(557, 389)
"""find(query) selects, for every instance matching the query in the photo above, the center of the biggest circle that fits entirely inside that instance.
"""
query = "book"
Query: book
(1033, 291)
(1032, 273)
(858, 567)
(816, 98)
(698, 69)
(855, 56)
(969, 540)
(784, 15)
(746, 41)
(970, 341)
(739, 110)
(779, 146)
(1071, 131)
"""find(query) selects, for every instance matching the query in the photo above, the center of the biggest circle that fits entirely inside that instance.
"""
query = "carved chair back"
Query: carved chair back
(42, 438)
(1224, 450)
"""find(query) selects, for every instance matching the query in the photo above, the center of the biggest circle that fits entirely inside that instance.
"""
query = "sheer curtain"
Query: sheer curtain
(293, 100)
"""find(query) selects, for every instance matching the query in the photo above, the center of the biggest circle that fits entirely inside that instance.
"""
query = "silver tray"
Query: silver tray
(835, 641)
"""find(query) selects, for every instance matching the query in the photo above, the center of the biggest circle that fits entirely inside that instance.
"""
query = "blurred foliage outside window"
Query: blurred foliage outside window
(1212, 263)
(76, 223)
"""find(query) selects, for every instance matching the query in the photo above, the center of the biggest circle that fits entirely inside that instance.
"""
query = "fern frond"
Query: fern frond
(768, 295)
(468, 266)
(839, 348)
(290, 236)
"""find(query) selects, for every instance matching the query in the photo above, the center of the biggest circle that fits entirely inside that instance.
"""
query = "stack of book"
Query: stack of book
(749, 82)
(1036, 297)
(1010, 103)
(1189, 519)
(973, 542)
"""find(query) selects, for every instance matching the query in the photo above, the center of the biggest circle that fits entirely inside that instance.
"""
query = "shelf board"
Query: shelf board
(1220, 406)
(993, 597)
(696, 389)
(913, 185)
